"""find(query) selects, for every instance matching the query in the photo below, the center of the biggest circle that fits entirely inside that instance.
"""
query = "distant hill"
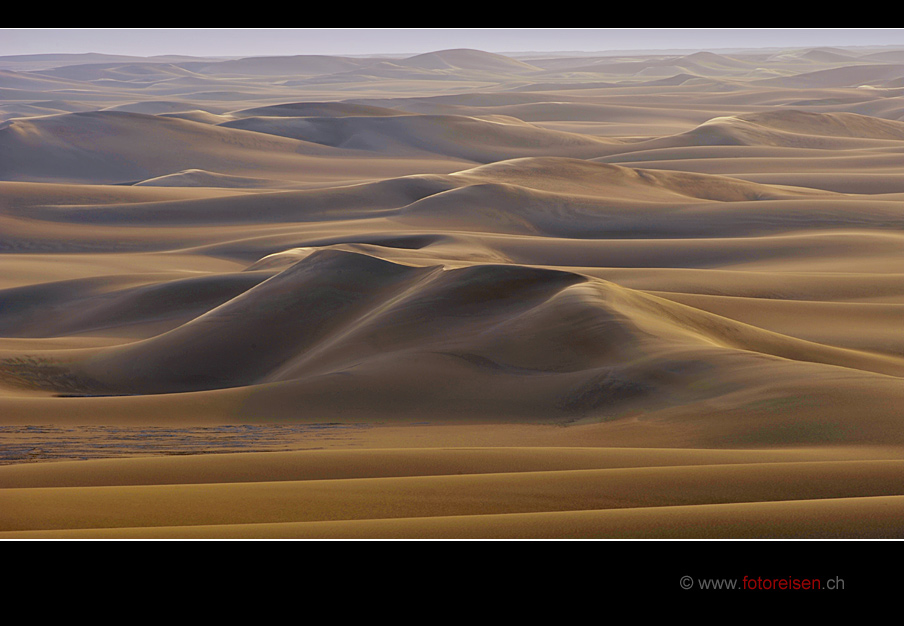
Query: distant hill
(309, 65)
(467, 60)
(32, 62)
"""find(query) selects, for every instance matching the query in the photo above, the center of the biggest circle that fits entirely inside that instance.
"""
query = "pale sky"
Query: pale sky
(265, 42)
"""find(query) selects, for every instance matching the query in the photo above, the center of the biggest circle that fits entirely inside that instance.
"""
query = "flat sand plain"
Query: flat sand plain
(457, 295)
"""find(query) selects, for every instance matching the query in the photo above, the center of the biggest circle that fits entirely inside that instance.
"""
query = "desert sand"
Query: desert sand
(453, 295)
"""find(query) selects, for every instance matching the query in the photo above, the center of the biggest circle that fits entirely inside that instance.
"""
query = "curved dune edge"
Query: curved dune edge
(346, 299)
(464, 493)
(345, 463)
(842, 518)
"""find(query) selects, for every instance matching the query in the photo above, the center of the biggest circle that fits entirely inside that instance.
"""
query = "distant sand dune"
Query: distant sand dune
(285, 65)
(200, 178)
(785, 129)
(847, 76)
(107, 147)
(467, 59)
(453, 136)
(317, 109)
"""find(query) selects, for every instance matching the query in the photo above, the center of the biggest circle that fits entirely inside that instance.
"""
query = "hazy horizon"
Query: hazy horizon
(375, 41)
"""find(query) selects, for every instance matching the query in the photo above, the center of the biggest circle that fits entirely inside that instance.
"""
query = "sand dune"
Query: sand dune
(197, 115)
(139, 72)
(90, 147)
(281, 66)
(201, 178)
(49, 107)
(785, 129)
(115, 147)
(578, 493)
(467, 59)
(88, 304)
(37, 62)
(614, 182)
(378, 320)
(460, 137)
(446, 65)
(847, 76)
(24, 80)
(576, 490)
(795, 129)
(452, 295)
(317, 109)
(158, 107)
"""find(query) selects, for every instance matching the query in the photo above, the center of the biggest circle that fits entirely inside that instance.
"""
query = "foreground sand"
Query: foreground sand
(457, 295)
(463, 492)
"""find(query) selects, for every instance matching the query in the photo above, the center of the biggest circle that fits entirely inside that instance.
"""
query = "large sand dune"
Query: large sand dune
(457, 294)
(466, 138)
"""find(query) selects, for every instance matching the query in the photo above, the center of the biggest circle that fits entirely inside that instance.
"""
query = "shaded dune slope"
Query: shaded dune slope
(469, 138)
(543, 195)
(799, 129)
(317, 109)
(115, 147)
(784, 129)
(587, 178)
(499, 338)
(92, 304)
